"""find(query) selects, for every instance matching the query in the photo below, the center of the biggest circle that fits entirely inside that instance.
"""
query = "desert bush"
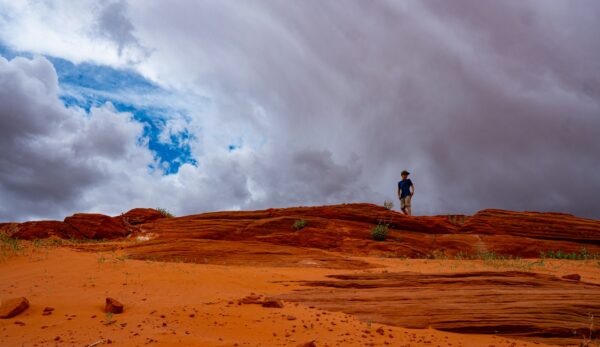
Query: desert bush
(165, 213)
(379, 232)
(457, 219)
(583, 254)
(299, 224)
(10, 243)
(389, 204)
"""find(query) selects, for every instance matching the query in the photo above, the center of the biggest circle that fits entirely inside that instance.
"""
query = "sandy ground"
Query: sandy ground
(179, 304)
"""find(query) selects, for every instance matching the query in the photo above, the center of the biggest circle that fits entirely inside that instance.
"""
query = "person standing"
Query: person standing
(406, 189)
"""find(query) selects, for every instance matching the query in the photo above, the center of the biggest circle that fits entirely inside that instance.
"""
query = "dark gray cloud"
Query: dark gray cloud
(493, 104)
(114, 24)
(487, 103)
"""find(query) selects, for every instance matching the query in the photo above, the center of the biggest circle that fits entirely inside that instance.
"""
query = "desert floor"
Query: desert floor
(186, 304)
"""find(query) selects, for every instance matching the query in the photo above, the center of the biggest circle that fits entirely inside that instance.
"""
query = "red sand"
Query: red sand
(76, 284)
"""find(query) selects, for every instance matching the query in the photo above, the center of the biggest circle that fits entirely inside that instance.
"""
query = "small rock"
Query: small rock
(308, 344)
(291, 318)
(113, 306)
(380, 331)
(572, 277)
(252, 299)
(273, 303)
(13, 307)
(18, 322)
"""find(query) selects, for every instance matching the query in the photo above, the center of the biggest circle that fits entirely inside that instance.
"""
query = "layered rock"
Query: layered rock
(97, 226)
(83, 226)
(346, 229)
(519, 304)
(342, 228)
(141, 216)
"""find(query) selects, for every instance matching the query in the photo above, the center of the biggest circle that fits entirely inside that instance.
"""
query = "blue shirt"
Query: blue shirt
(404, 187)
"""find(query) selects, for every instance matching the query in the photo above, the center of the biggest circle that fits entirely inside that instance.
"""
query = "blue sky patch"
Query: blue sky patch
(88, 85)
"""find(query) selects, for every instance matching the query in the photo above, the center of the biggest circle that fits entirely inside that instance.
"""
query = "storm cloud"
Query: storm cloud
(487, 103)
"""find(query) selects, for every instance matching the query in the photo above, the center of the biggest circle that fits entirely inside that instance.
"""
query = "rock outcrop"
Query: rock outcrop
(341, 228)
(83, 226)
(45, 229)
(141, 216)
(346, 229)
(527, 305)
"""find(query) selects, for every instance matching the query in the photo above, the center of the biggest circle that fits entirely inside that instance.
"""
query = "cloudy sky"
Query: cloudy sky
(198, 106)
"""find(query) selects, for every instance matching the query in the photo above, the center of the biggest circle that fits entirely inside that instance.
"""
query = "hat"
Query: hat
(404, 172)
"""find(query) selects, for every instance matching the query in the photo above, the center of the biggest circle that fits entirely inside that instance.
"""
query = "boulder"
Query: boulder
(45, 229)
(97, 226)
(113, 306)
(141, 216)
(13, 307)
(252, 299)
(272, 303)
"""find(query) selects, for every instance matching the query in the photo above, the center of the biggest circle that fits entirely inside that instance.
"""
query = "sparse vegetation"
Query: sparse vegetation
(165, 213)
(457, 219)
(389, 204)
(299, 224)
(9, 246)
(109, 319)
(583, 254)
(379, 232)
(10, 243)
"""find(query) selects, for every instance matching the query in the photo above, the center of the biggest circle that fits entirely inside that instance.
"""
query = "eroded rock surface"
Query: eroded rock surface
(141, 216)
(346, 229)
(527, 305)
(240, 253)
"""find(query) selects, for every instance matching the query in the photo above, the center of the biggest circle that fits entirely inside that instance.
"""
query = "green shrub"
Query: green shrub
(10, 243)
(299, 224)
(582, 255)
(389, 204)
(165, 213)
(379, 232)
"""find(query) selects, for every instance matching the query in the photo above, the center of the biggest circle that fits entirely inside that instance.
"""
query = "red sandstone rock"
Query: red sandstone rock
(346, 229)
(470, 302)
(45, 229)
(13, 307)
(272, 303)
(113, 306)
(141, 216)
(572, 277)
(252, 299)
(267, 236)
(548, 226)
(97, 226)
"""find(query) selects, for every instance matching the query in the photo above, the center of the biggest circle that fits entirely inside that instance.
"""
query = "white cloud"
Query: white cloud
(58, 160)
(84, 30)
